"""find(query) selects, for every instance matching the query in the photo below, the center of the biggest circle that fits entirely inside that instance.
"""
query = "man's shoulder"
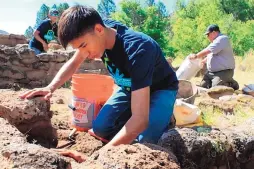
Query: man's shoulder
(46, 21)
(113, 23)
(139, 41)
(44, 24)
(222, 37)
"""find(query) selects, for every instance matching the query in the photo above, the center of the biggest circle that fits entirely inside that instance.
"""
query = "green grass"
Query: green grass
(217, 118)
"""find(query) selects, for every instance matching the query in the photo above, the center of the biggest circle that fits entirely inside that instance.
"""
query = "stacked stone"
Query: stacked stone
(19, 65)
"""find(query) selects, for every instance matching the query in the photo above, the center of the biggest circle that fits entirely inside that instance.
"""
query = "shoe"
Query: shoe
(234, 84)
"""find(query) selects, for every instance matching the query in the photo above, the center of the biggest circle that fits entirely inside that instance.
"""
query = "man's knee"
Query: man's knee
(100, 129)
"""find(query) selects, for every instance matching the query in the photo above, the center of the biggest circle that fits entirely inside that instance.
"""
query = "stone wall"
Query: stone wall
(20, 66)
(12, 40)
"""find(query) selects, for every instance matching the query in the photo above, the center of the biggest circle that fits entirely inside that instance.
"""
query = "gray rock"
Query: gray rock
(31, 117)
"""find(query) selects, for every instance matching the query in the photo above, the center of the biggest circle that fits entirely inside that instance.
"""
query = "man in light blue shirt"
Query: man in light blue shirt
(220, 60)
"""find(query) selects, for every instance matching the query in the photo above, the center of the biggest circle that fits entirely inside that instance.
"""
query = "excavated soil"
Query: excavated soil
(133, 156)
(186, 148)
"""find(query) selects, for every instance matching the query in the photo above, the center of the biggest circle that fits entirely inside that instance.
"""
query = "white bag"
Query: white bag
(185, 113)
(188, 69)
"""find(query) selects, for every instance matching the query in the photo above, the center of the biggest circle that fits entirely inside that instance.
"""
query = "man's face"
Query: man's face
(92, 42)
(209, 36)
(212, 35)
(54, 18)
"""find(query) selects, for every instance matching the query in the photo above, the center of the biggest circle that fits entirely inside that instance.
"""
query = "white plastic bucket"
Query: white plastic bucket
(185, 113)
(189, 68)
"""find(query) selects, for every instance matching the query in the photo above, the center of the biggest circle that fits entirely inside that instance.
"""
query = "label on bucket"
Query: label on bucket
(81, 114)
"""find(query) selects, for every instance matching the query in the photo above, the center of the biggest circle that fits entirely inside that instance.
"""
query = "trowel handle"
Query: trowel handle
(72, 107)
(72, 133)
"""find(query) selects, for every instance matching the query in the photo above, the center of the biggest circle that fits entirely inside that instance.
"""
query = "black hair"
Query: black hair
(77, 21)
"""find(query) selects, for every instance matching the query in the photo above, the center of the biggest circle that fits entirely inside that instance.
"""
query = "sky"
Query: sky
(17, 15)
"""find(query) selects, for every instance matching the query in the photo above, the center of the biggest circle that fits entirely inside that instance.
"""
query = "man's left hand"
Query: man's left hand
(79, 157)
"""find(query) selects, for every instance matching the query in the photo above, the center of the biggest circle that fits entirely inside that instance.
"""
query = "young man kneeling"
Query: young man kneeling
(140, 110)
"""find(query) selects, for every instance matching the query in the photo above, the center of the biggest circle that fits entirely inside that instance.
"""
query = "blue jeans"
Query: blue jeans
(117, 111)
(36, 51)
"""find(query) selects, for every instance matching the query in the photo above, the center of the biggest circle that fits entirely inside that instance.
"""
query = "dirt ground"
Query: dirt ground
(61, 120)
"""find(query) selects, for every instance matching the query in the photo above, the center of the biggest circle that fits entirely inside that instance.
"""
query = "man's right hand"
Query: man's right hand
(46, 92)
(192, 56)
(45, 46)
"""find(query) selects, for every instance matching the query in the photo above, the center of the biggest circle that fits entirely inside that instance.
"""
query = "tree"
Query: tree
(189, 23)
(131, 14)
(41, 15)
(241, 9)
(162, 9)
(150, 2)
(148, 20)
(29, 32)
(54, 6)
(106, 7)
(62, 7)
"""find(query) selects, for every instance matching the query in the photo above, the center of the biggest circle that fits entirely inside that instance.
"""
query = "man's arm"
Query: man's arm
(37, 37)
(62, 76)
(67, 70)
(200, 54)
(203, 53)
(140, 101)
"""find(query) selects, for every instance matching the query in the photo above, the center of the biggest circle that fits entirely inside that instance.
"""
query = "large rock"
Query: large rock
(31, 117)
(86, 144)
(93, 64)
(135, 156)
(55, 56)
(8, 72)
(218, 91)
(12, 40)
(201, 148)
(15, 152)
(36, 74)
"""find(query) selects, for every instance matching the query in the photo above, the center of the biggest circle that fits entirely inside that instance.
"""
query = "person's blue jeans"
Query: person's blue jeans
(117, 111)
(36, 51)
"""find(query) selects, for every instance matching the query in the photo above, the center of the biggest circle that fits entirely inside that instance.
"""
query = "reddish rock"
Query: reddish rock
(86, 143)
(31, 117)
(137, 156)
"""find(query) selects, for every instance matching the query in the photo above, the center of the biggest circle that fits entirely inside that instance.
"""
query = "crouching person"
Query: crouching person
(220, 60)
(141, 108)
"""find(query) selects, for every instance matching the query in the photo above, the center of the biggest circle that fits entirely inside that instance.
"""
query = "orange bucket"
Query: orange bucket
(90, 92)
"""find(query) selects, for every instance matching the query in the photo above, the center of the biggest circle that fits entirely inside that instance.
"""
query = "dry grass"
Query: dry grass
(244, 72)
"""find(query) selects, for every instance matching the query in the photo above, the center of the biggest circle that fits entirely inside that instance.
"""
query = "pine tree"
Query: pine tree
(62, 7)
(150, 2)
(29, 32)
(106, 7)
(162, 9)
(42, 14)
